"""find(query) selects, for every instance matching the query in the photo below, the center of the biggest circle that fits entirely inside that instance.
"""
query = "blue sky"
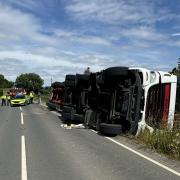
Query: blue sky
(56, 37)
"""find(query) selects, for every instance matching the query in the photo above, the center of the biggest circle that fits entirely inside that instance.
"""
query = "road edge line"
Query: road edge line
(145, 157)
(23, 159)
(94, 131)
(43, 105)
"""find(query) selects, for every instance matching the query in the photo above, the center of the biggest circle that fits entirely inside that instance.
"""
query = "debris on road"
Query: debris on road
(73, 126)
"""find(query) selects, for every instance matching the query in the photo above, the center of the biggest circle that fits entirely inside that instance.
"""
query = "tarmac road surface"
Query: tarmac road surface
(34, 146)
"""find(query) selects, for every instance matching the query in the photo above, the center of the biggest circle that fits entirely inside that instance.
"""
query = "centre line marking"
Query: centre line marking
(22, 119)
(145, 157)
(23, 159)
(20, 108)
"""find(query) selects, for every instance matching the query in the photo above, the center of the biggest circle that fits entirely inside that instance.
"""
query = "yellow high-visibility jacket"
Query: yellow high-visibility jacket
(31, 95)
(3, 97)
(8, 97)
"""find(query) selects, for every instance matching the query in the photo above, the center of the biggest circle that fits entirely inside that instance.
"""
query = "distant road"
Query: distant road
(34, 146)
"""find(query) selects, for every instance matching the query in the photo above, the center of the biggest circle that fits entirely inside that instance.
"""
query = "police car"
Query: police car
(20, 99)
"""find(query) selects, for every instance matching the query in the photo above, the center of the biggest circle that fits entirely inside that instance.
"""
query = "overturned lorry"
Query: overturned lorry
(121, 99)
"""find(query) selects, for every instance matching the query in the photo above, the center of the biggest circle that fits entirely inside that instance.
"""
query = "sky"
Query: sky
(57, 37)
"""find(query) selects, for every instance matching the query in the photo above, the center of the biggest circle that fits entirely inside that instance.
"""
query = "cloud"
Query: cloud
(11, 67)
(20, 26)
(103, 33)
(118, 12)
(81, 38)
(36, 59)
(30, 5)
(175, 34)
(16, 62)
(144, 33)
(175, 43)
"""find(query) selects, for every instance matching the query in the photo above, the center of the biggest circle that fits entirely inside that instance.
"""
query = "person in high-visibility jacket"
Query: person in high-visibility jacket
(3, 100)
(31, 96)
(8, 97)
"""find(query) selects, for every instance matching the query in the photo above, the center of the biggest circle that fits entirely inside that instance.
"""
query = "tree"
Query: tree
(31, 81)
(4, 83)
(176, 71)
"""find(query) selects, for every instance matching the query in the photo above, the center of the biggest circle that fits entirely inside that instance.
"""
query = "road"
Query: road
(34, 146)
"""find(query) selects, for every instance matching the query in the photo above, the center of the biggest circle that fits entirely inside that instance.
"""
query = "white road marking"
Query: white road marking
(23, 159)
(94, 131)
(20, 108)
(56, 113)
(145, 157)
(43, 105)
(22, 119)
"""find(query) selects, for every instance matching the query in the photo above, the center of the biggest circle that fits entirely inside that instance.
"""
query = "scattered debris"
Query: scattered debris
(71, 126)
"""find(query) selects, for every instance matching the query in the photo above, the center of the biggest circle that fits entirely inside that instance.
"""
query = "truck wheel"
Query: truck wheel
(110, 129)
(70, 81)
(66, 116)
(78, 118)
(115, 71)
(82, 77)
(66, 109)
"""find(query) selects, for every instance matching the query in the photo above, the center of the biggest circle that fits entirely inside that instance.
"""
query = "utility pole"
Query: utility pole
(51, 80)
(178, 63)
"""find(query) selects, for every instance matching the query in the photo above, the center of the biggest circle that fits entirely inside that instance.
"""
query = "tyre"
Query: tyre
(82, 80)
(110, 129)
(82, 77)
(70, 77)
(67, 109)
(70, 81)
(115, 71)
(66, 116)
(51, 106)
(78, 118)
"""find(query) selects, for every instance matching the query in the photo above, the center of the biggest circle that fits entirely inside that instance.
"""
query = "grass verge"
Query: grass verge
(163, 141)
